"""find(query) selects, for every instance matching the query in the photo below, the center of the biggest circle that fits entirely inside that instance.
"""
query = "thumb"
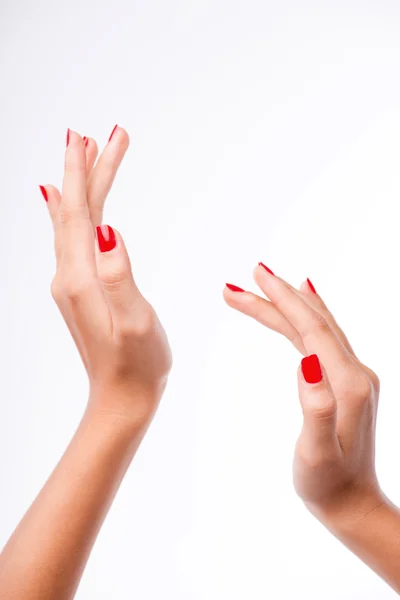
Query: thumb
(319, 407)
(123, 297)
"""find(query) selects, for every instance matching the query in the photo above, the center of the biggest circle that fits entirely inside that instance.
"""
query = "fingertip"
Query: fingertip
(234, 295)
(267, 269)
(44, 192)
(91, 155)
(51, 189)
(73, 139)
(75, 168)
(75, 152)
(311, 369)
(315, 393)
(261, 270)
(304, 287)
(113, 133)
(112, 236)
(311, 286)
(120, 137)
(257, 271)
(92, 145)
(124, 135)
(234, 288)
(264, 277)
(106, 238)
(50, 193)
(123, 139)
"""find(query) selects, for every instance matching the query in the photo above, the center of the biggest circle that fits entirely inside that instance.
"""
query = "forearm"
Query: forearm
(45, 557)
(370, 528)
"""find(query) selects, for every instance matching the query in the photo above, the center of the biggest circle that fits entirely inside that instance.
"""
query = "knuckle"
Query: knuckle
(295, 338)
(140, 328)
(315, 324)
(324, 311)
(325, 412)
(358, 388)
(56, 289)
(111, 278)
(74, 287)
(145, 325)
(376, 384)
(320, 460)
(316, 459)
(318, 322)
(319, 409)
(363, 390)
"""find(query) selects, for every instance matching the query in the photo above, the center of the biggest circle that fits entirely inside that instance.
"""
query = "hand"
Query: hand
(334, 459)
(127, 358)
(120, 339)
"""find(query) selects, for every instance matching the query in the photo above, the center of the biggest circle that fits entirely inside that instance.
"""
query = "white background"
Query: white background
(261, 130)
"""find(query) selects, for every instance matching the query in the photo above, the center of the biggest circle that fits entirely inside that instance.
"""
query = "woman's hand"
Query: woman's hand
(334, 459)
(127, 358)
(117, 332)
(334, 464)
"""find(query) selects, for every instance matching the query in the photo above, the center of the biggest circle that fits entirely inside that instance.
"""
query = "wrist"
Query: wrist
(129, 414)
(351, 508)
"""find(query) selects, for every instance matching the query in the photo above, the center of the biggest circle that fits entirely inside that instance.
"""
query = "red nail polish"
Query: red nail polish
(266, 268)
(106, 242)
(112, 133)
(44, 192)
(68, 136)
(85, 140)
(312, 288)
(311, 369)
(234, 288)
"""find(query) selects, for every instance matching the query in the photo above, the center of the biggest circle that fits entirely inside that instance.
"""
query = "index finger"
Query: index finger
(318, 338)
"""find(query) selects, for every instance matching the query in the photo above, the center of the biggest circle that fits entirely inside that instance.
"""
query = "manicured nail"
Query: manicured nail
(312, 288)
(311, 369)
(68, 136)
(44, 192)
(112, 133)
(106, 238)
(234, 288)
(85, 140)
(266, 268)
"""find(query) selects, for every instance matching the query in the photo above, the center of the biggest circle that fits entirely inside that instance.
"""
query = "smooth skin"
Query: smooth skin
(334, 462)
(127, 358)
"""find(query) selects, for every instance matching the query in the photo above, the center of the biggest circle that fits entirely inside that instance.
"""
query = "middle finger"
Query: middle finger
(103, 174)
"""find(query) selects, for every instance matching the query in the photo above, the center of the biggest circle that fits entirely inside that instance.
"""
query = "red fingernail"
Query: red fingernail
(234, 288)
(266, 268)
(106, 238)
(312, 288)
(85, 140)
(311, 369)
(112, 133)
(68, 135)
(44, 192)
